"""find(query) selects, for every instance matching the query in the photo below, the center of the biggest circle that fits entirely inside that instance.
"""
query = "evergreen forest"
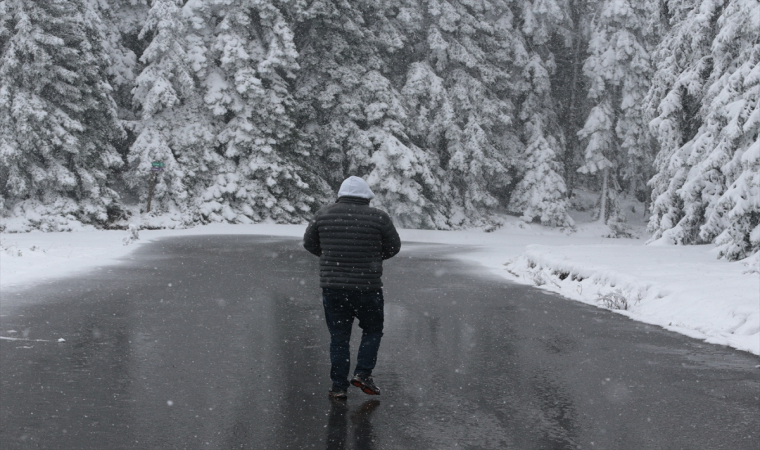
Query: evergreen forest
(454, 111)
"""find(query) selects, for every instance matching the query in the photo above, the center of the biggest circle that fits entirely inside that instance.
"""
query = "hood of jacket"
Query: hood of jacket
(355, 187)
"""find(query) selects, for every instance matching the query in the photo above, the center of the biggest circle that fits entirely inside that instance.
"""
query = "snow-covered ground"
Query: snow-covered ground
(683, 289)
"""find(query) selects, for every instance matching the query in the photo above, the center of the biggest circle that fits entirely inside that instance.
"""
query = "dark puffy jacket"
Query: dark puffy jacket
(352, 240)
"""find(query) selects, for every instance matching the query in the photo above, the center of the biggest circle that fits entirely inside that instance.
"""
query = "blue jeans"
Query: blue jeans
(341, 307)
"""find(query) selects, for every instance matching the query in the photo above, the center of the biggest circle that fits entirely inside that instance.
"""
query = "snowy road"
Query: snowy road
(218, 342)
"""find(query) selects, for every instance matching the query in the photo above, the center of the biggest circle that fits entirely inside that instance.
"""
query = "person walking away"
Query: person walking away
(352, 239)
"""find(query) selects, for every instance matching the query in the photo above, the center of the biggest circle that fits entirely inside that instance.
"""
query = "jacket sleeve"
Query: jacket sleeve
(391, 240)
(311, 238)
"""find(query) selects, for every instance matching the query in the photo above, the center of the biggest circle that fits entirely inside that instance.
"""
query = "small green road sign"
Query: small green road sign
(157, 164)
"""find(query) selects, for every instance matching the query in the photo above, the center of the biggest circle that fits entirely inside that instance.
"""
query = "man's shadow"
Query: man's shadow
(337, 425)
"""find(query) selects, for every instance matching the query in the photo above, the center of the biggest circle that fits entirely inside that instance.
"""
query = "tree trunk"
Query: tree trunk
(150, 193)
(571, 112)
(603, 205)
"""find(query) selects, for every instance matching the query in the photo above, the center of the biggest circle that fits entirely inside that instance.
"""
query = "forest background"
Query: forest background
(454, 111)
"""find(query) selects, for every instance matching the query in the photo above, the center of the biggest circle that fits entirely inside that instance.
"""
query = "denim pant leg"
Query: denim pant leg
(369, 310)
(339, 317)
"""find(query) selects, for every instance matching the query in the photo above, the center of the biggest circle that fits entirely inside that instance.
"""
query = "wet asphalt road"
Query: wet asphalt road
(219, 342)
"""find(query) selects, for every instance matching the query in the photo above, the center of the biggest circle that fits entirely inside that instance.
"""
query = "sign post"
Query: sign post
(156, 167)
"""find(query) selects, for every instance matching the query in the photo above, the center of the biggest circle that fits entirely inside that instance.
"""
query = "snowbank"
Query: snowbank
(681, 288)
(30, 257)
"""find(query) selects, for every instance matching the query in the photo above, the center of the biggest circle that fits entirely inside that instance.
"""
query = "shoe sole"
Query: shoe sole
(364, 388)
(337, 396)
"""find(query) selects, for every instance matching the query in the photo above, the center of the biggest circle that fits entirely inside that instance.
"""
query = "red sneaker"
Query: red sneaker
(337, 393)
(365, 383)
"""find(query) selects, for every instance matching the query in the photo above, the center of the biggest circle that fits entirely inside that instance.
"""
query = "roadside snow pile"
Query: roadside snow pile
(683, 289)
(28, 258)
(133, 234)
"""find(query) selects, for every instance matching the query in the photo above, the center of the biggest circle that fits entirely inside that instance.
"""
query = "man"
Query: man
(352, 240)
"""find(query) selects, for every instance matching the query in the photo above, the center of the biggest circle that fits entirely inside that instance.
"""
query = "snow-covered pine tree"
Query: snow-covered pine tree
(636, 142)
(601, 147)
(215, 104)
(118, 22)
(706, 188)
(568, 48)
(458, 93)
(683, 67)
(395, 174)
(175, 126)
(58, 118)
(728, 175)
(473, 48)
(351, 116)
(251, 60)
(618, 70)
(337, 51)
(5, 25)
(6, 28)
(542, 192)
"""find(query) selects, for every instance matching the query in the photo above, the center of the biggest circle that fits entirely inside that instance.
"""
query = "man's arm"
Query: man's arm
(311, 238)
(391, 240)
